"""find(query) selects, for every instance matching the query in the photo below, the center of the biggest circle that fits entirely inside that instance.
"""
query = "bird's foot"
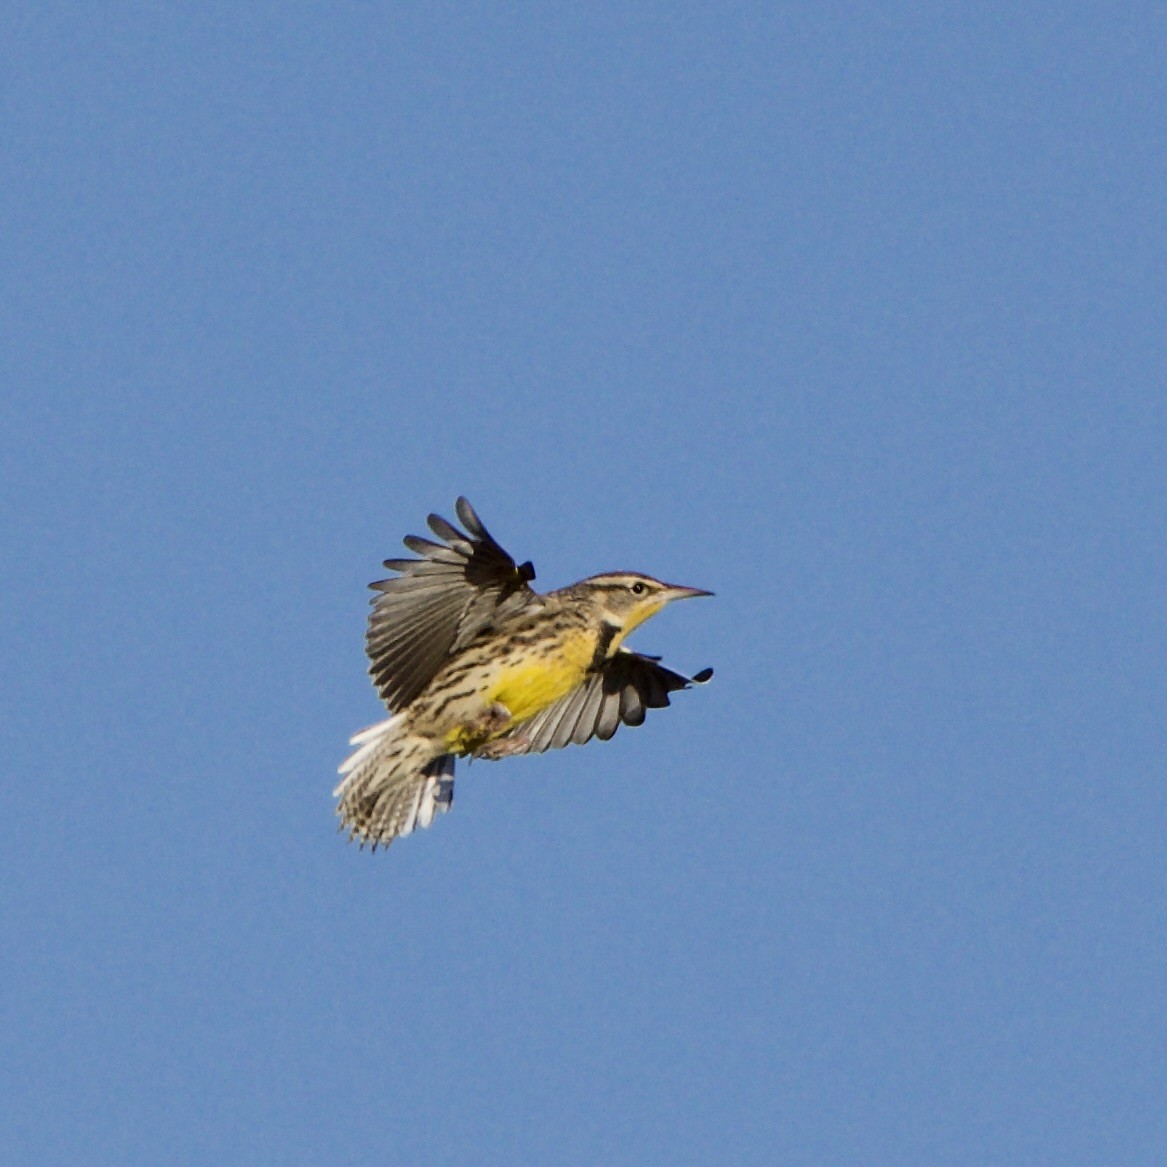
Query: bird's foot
(487, 725)
(504, 747)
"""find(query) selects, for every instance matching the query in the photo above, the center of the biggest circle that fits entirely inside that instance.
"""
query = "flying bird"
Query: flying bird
(472, 662)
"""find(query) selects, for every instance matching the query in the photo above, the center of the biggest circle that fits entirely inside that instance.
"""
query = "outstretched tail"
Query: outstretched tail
(392, 782)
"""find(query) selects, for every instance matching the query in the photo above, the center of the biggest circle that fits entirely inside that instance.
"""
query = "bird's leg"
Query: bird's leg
(496, 718)
(488, 724)
(485, 730)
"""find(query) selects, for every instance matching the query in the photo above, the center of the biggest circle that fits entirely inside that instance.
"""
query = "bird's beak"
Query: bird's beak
(675, 592)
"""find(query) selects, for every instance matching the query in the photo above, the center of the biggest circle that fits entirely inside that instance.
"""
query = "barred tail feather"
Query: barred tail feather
(392, 783)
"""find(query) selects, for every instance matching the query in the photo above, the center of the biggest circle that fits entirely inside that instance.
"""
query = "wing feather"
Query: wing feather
(631, 705)
(584, 725)
(608, 719)
(439, 602)
(620, 692)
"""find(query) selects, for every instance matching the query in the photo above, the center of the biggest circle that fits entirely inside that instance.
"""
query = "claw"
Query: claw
(504, 747)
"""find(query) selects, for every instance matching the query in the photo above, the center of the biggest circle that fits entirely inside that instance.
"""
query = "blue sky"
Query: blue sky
(855, 314)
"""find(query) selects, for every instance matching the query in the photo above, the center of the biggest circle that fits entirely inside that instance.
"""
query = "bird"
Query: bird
(472, 662)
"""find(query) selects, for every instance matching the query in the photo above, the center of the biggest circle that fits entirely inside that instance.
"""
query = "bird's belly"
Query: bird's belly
(522, 681)
(529, 687)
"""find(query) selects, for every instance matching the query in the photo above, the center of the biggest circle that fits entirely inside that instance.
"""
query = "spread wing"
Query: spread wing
(439, 603)
(627, 686)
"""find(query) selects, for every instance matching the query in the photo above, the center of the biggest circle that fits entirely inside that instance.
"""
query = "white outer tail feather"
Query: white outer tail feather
(392, 783)
(437, 796)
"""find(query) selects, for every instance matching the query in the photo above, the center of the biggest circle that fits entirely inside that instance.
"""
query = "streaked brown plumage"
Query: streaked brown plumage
(475, 663)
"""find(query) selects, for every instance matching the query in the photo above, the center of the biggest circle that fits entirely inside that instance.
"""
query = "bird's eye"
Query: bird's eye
(638, 588)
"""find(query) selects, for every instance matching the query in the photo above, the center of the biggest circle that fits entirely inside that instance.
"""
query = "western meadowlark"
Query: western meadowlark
(475, 663)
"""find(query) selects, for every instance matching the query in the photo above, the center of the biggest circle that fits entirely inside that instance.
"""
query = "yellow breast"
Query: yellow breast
(528, 686)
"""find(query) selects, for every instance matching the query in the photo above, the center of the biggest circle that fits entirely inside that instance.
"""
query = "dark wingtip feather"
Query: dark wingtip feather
(444, 529)
(703, 676)
(420, 546)
(469, 516)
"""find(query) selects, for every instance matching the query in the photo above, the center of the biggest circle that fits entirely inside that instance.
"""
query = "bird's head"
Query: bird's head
(625, 599)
